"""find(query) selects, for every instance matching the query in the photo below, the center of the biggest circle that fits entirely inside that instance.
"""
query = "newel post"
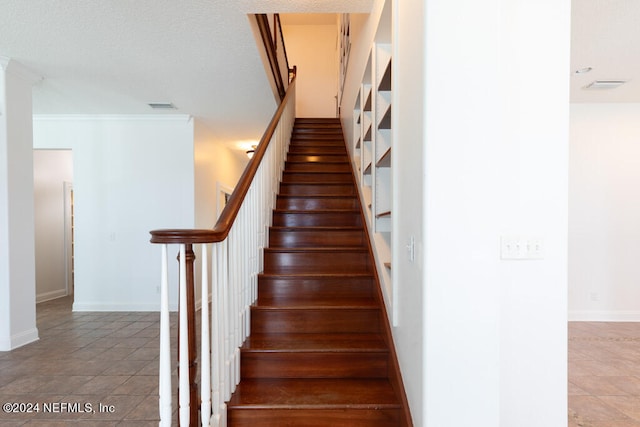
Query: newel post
(190, 257)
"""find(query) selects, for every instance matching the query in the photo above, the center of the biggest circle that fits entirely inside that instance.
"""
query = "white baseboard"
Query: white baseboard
(19, 339)
(604, 316)
(99, 306)
(48, 296)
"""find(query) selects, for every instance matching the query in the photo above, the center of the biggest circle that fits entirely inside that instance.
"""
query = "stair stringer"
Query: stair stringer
(395, 374)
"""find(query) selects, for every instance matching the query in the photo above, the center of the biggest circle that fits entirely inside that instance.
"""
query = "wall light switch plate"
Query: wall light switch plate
(520, 248)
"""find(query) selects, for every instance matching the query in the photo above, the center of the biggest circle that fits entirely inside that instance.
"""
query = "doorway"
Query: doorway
(53, 223)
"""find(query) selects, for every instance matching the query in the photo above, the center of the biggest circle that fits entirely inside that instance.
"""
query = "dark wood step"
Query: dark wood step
(317, 149)
(316, 260)
(317, 189)
(320, 143)
(298, 132)
(307, 203)
(324, 177)
(317, 218)
(316, 237)
(314, 403)
(314, 356)
(283, 289)
(299, 166)
(306, 319)
(317, 122)
(317, 140)
(318, 354)
(321, 158)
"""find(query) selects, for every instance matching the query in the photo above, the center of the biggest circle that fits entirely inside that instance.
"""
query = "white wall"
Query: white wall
(17, 251)
(496, 164)
(408, 207)
(493, 133)
(214, 163)
(604, 207)
(313, 49)
(131, 174)
(51, 169)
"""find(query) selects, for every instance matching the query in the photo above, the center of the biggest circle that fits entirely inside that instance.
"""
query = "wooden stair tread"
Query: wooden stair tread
(322, 249)
(317, 184)
(286, 172)
(326, 303)
(318, 196)
(314, 393)
(319, 228)
(315, 342)
(297, 211)
(318, 354)
(327, 275)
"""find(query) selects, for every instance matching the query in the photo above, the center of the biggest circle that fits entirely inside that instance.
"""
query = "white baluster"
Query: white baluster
(216, 331)
(183, 397)
(205, 358)
(223, 264)
(165, 346)
(226, 317)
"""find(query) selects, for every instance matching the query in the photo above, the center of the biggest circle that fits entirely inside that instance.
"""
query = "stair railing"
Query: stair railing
(273, 41)
(235, 248)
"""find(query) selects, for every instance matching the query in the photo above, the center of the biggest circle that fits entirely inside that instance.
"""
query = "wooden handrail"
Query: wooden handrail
(270, 49)
(221, 230)
(277, 24)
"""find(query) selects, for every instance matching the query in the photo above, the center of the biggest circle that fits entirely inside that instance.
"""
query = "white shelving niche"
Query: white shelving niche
(373, 140)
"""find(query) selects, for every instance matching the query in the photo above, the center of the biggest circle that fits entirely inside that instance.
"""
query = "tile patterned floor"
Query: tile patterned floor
(106, 361)
(111, 359)
(604, 374)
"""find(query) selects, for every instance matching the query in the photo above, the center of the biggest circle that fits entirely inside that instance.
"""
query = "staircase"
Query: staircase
(319, 352)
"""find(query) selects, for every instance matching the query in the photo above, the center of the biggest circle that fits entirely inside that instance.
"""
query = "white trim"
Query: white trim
(104, 117)
(19, 339)
(99, 306)
(68, 236)
(604, 316)
(11, 66)
(48, 296)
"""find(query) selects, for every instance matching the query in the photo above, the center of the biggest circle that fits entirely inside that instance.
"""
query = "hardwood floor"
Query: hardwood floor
(604, 374)
(317, 355)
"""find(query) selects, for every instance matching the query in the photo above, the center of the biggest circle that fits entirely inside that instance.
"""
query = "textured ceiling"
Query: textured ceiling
(115, 56)
(605, 35)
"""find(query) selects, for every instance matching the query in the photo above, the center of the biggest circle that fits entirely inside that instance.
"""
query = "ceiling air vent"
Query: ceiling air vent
(162, 106)
(605, 84)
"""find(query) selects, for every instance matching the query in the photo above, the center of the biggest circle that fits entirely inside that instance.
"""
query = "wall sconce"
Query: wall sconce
(251, 152)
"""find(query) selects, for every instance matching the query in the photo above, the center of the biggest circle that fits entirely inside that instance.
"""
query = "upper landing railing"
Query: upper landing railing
(273, 40)
(231, 258)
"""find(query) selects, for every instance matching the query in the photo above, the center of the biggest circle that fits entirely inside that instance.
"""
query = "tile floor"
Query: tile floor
(604, 374)
(111, 359)
(108, 359)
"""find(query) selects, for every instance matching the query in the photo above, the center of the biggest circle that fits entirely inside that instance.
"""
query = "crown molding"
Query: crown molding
(111, 117)
(11, 66)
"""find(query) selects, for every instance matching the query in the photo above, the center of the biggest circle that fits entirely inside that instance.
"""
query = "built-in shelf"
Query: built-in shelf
(385, 160)
(385, 122)
(385, 81)
(367, 103)
(367, 135)
(373, 139)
